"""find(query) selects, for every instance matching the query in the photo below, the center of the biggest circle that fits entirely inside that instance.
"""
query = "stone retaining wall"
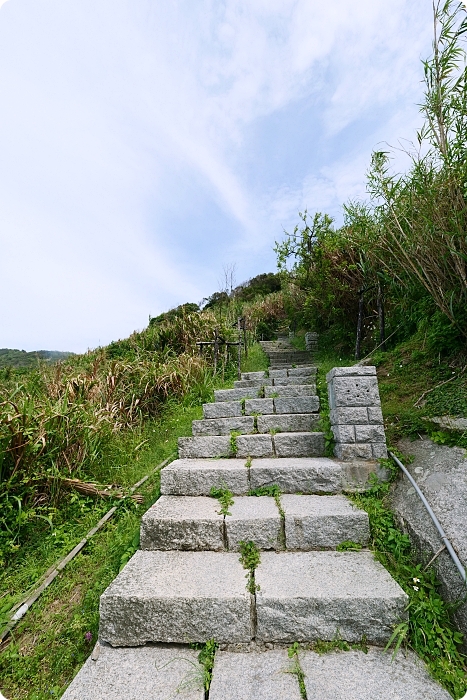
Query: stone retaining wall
(356, 417)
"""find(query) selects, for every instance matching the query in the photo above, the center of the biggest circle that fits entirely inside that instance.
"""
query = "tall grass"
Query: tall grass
(60, 422)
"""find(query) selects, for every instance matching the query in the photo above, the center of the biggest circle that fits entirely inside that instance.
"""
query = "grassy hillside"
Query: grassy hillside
(21, 358)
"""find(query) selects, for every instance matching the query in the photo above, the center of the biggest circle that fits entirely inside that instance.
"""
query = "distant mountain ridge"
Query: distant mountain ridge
(20, 358)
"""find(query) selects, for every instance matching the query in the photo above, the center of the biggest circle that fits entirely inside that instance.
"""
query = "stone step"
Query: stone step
(254, 392)
(222, 409)
(156, 672)
(309, 522)
(304, 596)
(181, 597)
(279, 391)
(288, 423)
(288, 404)
(307, 475)
(223, 426)
(338, 675)
(253, 383)
(297, 444)
(177, 597)
(162, 671)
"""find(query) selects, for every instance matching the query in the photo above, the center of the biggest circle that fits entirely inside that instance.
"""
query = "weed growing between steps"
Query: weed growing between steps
(296, 669)
(349, 546)
(233, 442)
(202, 675)
(429, 630)
(274, 491)
(250, 560)
(225, 498)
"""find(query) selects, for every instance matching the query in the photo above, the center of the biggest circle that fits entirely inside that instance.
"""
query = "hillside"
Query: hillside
(20, 358)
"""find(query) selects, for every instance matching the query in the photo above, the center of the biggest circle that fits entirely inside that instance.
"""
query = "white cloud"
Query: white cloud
(128, 129)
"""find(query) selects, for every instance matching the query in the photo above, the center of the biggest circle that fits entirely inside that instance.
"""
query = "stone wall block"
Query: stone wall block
(369, 433)
(354, 415)
(348, 452)
(375, 415)
(379, 450)
(354, 391)
(344, 433)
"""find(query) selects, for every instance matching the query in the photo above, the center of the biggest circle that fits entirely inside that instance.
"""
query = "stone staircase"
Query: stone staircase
(259, 442)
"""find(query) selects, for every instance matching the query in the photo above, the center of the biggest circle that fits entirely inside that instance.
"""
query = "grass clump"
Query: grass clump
(292, 653)
(233, 441)
(250, 559)
(349, 546)
(225, 498)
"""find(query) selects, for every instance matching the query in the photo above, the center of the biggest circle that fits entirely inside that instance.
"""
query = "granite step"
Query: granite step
(338, 675)
(263, 391)
(307, 475)
(223, 426)
(194, 523)
(182, 597)
(264, 423)
(296, 444)
(162, 671)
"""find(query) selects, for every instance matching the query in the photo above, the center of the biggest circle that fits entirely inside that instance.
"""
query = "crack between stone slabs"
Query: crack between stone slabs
(274, 453)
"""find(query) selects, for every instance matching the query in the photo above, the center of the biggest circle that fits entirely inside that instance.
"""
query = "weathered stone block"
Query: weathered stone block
(295, 381)
(375, 414)
(305, 596)
(348, 452)
(313, 522)
(177, 597)
(299, 475)
(353, 391)
(298, 404)
(223, 426)
(193, 447)
(299, 444)
(254, 676)
(259, 406)
(356, 416)
(222, 409)
(355, 371)
(254, 446)
(356, 675)
(144, 673)
(369, 433)
(288, 422)
(235, 394)
(273, 373)
(379, 450)
(302, 371)
(357, 474)
(183, 522)
(255, 383)
(253, 518)
(253, 375)
(196, 477)
(344, 433)
(301, 390)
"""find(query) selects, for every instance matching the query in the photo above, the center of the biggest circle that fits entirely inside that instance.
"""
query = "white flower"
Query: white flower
(415, 588)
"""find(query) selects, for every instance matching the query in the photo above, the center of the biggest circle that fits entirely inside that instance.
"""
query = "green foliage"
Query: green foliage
(233, 441)
(206, 659)
(259, 286)
(349, 546)
(322, 646)
(225, 498)
(292, 653)
(250, 559)
(20, 358)
(429, 630)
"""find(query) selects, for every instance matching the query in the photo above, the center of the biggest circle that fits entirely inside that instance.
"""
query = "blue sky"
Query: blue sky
(146, 144)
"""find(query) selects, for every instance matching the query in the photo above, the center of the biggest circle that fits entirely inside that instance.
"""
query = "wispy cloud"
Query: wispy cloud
(145, 144)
